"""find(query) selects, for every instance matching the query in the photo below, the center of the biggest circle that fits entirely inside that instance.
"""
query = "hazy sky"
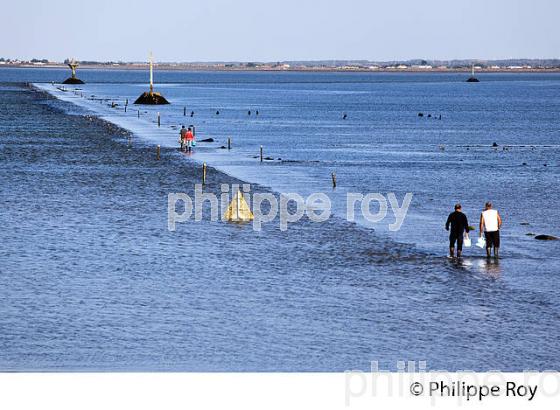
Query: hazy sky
(261, 30)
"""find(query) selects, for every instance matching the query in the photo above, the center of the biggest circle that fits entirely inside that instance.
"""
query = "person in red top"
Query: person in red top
(189, 137)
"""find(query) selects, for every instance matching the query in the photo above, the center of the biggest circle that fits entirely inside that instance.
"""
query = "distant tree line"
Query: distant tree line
(34, 60)
(457, 64)
(93, 62)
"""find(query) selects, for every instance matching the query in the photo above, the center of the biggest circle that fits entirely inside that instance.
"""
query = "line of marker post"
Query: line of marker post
(204, 166)
(204, 173)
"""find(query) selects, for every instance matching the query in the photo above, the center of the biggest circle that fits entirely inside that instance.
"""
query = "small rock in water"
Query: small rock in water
(495, 144)
(530, 234)
(420, 114)
(546, 238)
(524, 223)
(207, 140)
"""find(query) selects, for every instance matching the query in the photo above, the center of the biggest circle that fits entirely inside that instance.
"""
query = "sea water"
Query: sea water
(329, 296)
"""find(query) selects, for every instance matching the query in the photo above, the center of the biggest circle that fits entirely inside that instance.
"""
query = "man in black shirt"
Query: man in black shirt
(459, 224)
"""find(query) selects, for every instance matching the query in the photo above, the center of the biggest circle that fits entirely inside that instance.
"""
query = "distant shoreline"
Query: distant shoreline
(201, 68)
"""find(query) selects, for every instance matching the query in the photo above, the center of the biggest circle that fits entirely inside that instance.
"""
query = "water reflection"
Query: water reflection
(487, 267)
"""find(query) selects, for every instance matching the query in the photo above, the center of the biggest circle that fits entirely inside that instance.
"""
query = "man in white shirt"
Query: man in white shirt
(490, 224)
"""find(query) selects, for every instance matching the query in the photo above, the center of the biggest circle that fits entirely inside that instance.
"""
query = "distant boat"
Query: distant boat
(472, 78)
(151, 97)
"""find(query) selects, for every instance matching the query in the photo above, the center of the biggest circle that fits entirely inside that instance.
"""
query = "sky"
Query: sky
(261, 30)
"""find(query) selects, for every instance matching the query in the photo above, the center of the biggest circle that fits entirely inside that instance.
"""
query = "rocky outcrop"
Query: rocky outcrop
(73, 80)
(546, 238)
(151, 98)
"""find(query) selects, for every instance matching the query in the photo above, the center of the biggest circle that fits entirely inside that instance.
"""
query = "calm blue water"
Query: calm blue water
(91, 279)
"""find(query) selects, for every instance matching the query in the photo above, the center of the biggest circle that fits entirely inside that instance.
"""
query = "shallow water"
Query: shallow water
(92, 279)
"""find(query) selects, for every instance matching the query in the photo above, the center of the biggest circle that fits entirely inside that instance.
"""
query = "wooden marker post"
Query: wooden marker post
(158, 120)
(261, 153)
(184, 111)
(158, 152)
(204, 173)
(333, 176)
(138, 113)
(229, 143)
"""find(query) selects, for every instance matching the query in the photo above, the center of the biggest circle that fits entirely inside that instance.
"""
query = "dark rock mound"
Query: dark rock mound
(73, 80)
(207, 140)
(546, 238)
(473, 80)
(148, 98)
